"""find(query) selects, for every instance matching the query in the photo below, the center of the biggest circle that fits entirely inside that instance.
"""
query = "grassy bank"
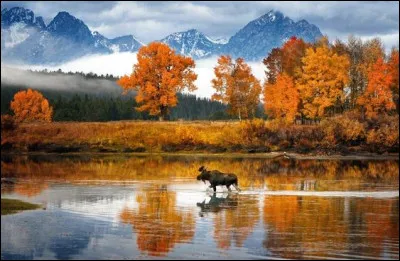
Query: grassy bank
(339, 135)
(12, 206)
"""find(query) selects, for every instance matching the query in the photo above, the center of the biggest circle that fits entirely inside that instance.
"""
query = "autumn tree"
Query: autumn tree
(30, 105)
(339, 47)
(237, 86)
(274, 65)
(292, 52)
(281, 99)
(157, 77)
(321, 83)
(357, 77)
(373, 50)
(362, 57)
(286, 59)
(377, 97)
(394, 72)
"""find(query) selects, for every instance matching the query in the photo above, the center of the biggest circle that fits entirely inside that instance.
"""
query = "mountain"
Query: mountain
(69, 27)
(26, 39)
(20, 15)
(257, 38)
(127, 43)
(17, 24)
(192, 43)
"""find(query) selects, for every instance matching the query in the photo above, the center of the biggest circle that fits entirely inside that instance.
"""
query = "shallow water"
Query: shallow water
(119, 207)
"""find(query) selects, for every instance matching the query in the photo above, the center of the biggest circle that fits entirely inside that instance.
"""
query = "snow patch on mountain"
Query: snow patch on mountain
(17, 33)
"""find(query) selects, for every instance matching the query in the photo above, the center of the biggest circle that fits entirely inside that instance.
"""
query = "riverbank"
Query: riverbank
(269, 155)
(12, 206)
(338, 137)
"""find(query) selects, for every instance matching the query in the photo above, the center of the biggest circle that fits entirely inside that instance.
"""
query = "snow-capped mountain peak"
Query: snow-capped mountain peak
(255, 40)
(26, 38)
(269, 17)
(22, 16)
(192, 43)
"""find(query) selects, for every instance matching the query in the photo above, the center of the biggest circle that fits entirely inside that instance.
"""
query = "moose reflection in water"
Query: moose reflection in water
(234, 217)
(216, 204)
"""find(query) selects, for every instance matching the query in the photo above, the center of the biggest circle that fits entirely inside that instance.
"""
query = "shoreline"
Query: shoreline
(269, 155)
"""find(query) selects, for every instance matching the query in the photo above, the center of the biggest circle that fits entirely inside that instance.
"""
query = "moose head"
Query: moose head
(204, 174)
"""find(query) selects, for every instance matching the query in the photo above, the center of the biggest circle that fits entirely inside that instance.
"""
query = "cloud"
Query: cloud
(117, 64)
(61, 82)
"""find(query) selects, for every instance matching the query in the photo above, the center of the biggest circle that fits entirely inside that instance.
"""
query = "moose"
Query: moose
(217, 178)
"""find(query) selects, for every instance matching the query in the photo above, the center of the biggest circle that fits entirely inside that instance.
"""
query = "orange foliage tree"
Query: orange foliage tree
(281, 99)
(377, 97)
(158, 75)
(394, 72)
(321, 83)
(237, 86)
(285, 59)
(30, 105)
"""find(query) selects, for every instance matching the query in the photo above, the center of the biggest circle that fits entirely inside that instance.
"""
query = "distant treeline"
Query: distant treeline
(85, 106)
(89, 75)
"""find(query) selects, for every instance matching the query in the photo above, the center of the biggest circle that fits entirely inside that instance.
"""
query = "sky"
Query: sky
(149, 21)
(154, 20)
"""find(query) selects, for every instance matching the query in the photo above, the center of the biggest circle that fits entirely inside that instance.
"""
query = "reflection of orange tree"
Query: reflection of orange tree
(281, 212)
(252, 173)
(236, 224)
(380, 219)
(133, 168)
(304, 225)
(351, 174)
(30, 189)
(157, 222)
(301, 226)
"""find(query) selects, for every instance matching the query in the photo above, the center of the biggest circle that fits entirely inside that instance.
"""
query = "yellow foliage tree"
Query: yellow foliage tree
(281, 99)
(158, 75)
(377, 97)
(237, 86)
(30, 105)
(321, 84)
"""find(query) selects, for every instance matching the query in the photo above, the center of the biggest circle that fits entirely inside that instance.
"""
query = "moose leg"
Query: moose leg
(215, 188)
(236, 187)
(228, 186)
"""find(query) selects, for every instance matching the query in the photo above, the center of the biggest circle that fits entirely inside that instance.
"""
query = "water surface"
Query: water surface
(151, 207)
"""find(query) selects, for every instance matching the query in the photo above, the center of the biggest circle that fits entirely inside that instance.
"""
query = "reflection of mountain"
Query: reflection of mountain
(159, 225)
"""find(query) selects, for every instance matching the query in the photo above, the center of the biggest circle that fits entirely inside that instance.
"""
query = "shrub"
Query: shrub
(253, 131)
(342, 130)
(386, 136)
(8, 122)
